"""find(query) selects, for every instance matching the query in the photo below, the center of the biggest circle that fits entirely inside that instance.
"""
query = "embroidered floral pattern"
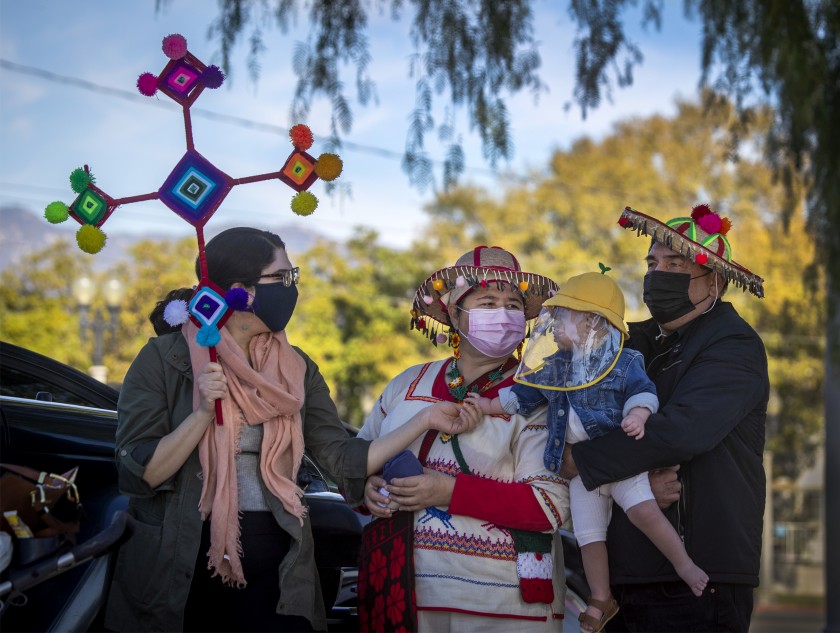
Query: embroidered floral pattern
(395, 603)
(397, 558)
(378, 615)
(378, 570)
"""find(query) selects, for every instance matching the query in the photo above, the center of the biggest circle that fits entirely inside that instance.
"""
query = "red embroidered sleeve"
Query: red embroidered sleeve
(510, 505)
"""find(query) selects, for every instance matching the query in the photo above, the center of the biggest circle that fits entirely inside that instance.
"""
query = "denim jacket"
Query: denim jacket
(600, 407)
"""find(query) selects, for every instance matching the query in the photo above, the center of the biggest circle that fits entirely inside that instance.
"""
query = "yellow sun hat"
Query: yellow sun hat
(593, 292)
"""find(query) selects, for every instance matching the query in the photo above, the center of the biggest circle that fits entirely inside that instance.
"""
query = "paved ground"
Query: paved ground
(785, 620)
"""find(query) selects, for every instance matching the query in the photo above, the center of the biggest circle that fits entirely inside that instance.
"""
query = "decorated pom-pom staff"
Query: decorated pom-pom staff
(194, 189)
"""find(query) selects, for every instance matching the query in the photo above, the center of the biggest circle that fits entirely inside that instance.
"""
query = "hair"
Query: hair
(156, 316)
(236, 255)
(239, 255)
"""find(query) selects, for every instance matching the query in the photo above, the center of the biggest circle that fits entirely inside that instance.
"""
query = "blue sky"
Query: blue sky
(47, 128)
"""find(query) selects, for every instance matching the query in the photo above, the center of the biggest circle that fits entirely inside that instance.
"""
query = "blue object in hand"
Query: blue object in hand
(405, 464)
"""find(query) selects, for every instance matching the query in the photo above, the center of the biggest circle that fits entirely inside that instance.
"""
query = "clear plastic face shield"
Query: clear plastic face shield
(569, 350)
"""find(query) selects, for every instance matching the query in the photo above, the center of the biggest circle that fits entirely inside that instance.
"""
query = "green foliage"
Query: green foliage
(599, 44)
(352, 318)
(474, 50)
(156, 268)
(37, 309)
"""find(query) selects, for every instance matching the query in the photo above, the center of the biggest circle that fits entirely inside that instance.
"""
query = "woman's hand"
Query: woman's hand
(212, 386)
(665, 485)
(469, 417)
(421, 491)
(452, 418)
(378, 504)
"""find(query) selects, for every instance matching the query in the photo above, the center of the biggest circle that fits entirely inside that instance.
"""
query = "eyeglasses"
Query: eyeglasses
(286, 277)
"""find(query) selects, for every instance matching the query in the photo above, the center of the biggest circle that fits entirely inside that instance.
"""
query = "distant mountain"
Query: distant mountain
(24, 232)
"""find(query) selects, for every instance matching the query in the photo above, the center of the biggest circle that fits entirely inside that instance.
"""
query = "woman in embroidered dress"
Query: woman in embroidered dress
(223, 541)
(485, 508)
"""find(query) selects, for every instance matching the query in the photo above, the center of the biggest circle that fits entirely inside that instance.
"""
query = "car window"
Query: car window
(18, 384)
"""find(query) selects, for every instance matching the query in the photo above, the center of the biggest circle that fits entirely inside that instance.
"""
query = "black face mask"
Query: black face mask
(274, 304)
(666, 295)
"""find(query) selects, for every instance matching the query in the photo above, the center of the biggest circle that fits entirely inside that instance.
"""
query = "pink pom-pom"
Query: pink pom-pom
(441, 338)
(212, 77)
(699, 211)
(147, 84)
(710, 223)
(460, 281)
(174, 46)
(427, 300)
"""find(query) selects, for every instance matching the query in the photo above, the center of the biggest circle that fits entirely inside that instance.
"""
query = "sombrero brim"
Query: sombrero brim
(679, 243)
(428, 304)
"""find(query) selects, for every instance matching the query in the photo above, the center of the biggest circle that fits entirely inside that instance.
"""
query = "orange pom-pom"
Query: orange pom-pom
(301, 137)
(725, 225)
(328, 167)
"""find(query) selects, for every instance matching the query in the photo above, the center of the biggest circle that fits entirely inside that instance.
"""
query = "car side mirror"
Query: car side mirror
(46, 396)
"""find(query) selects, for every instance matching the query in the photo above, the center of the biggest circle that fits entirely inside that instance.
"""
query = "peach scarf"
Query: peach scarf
(270, 393)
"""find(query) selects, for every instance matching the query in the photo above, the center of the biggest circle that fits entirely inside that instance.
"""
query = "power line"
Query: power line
(243, 122)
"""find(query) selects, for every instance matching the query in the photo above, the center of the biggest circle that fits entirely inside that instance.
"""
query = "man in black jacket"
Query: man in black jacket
(710, 371)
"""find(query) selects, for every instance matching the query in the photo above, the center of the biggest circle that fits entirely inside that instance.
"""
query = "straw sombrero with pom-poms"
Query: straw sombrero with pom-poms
(702, 238)
(479, 267)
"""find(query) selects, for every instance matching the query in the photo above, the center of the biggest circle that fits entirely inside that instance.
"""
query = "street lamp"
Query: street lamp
(84, 291)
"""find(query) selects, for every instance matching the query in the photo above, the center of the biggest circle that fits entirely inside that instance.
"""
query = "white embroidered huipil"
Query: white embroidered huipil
(462, 563)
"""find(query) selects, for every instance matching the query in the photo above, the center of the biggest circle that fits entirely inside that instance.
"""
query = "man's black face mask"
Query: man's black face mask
(666, 295)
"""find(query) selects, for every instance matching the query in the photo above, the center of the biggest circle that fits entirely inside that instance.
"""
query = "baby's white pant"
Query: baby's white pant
(591, 511)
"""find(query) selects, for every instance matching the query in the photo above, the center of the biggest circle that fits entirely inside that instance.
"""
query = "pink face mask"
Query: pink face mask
(495, 333)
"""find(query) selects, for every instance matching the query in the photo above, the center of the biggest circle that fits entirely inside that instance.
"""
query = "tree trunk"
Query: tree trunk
(832, 460)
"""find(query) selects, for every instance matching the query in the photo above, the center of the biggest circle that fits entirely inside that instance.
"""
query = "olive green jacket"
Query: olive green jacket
(155, 567)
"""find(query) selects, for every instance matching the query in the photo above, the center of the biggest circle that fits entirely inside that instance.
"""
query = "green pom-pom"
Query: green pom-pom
(304, 203)
(80, 179)
(90, 239)
(56, 212)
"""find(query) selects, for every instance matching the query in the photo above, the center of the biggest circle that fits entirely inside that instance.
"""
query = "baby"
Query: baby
(576, 363)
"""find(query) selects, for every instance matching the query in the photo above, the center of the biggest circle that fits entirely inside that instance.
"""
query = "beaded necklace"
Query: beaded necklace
(455, 381)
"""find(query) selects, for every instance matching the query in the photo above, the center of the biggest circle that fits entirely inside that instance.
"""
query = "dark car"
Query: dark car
(54, 418)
